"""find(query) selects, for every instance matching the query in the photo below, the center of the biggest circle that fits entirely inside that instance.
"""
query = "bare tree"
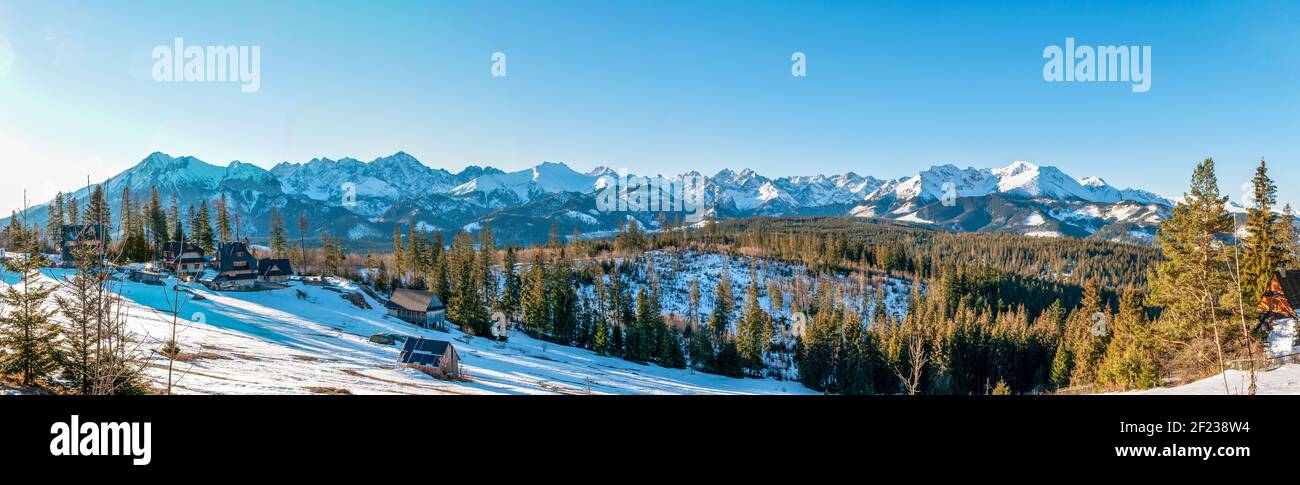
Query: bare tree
(917, 358)
(104, 356)
(171, 350)
(1241, 313)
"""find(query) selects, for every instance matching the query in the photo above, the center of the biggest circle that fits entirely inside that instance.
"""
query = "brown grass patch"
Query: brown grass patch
(194, 356)
(332, 391)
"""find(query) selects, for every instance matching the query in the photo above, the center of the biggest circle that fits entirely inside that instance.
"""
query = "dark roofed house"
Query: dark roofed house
(78, 236)
(186, 260)
(430, 354)
(1281, 295)
(419, 307)
(274, 270)
(236, 267)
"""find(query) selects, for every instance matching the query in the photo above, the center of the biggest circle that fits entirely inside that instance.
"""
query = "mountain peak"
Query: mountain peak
(1016, 168)
(1093, 182)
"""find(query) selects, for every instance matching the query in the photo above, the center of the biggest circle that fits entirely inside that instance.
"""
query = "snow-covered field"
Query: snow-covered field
(675, 270)
(1283, 380)
(274, 342)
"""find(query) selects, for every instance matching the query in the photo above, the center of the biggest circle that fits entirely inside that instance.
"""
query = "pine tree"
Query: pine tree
(437, 264)
(1061, 364)
(70, 207)
(466, 306)
(1088, 331)
(510, 292)
(97, 210)
(670, 347)
(1263, 254)
(399, 252)
(724, 303)
(223, 218)
(157, 218)
(536, 305)
(563, 301)
(1287, 242)
(100, 354)
(304, 224)
(693, 303)
(202, 229)
(753, 330)
(176, 222)
(28, 338)
(1130, 361)
(774, 297)
(486, 260)
(1192, 279)
(600, 337)
(279, 237)
(332, 252)
(54, 225)
(126, 211)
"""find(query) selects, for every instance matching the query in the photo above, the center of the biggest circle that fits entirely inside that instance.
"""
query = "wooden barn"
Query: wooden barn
(1282, 295)
(433, 355)
(419, 307)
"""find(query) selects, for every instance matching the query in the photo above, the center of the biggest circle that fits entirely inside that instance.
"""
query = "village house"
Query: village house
(185, 260)
(78, 236)
(274, 270)
(1281, 295)
(436, 356)
(236, 268)
(419, 307)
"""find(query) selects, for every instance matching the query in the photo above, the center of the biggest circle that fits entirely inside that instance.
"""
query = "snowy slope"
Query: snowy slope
(1282, 380)
(524, 185)
(272, 342)
(1019, 179)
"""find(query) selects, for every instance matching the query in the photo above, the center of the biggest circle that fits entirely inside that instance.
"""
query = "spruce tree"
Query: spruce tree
(28, 337)
(536, 305)
(510, 293)
(202, 229)
(1088, 331)
(1130, 360)
(157, 218)
(724, 303)
(279, 237)
(70, 208)
(753, 330)
(223, 219)
(1286, 235)
(175, 221)
(97, 210)
(1262, 254)
(1193, 277)
(54, 225)
(487, 280)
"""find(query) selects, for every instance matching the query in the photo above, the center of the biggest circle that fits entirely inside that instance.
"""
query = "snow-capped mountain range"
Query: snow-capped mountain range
(363, 200)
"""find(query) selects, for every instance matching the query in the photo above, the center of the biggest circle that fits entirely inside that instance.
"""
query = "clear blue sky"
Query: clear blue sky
(664, 86)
